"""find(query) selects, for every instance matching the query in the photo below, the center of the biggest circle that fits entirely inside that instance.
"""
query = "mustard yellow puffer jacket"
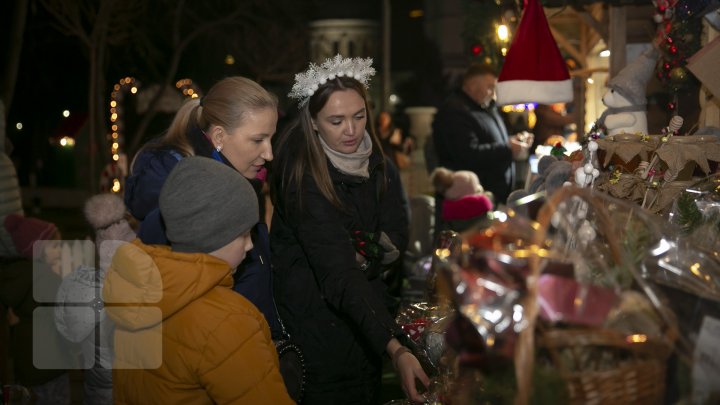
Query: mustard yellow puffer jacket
(183, 336)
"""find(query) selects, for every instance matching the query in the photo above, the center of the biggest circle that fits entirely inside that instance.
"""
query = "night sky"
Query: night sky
(53, 73)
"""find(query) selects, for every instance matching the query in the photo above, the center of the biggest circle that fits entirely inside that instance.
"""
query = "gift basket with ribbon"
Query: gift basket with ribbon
(559, 310)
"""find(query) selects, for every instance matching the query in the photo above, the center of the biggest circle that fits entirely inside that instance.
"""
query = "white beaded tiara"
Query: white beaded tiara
(307, 82)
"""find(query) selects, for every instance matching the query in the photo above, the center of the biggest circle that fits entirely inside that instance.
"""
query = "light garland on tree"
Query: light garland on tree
(112, 177)
(188, 88)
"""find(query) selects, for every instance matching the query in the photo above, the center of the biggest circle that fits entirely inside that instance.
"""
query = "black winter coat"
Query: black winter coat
(335, 313)
(468, 136)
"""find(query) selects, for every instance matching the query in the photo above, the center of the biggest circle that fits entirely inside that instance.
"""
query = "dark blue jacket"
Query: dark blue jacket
(253, 279)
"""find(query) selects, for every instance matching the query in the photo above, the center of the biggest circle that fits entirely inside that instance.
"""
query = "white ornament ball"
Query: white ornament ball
(555, 219)
(592, 146)
(595, 173)
(588, 168)
(582, 209)
(580, 177)
(586, 233)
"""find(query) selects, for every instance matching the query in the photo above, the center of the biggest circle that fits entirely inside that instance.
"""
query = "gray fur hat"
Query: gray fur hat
(631, 81)
(206, 205)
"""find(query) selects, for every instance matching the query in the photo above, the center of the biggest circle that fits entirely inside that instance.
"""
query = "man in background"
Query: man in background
(469, 134)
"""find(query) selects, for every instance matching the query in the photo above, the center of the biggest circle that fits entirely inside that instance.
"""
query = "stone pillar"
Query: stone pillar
(348, 37)
(416, 178)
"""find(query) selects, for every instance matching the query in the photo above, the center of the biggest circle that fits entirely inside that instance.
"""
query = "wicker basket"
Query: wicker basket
(637, 378)
(635, 373)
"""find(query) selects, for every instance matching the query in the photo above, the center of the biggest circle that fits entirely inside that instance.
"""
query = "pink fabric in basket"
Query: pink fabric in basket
(563, 299)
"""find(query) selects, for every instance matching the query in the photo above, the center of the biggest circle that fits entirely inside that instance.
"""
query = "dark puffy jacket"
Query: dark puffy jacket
(253, 279)
(149, 171)
(332, 310)
(468, 136)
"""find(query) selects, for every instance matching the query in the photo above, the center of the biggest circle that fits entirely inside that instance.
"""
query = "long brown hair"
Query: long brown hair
(298, 148)
(226, 104)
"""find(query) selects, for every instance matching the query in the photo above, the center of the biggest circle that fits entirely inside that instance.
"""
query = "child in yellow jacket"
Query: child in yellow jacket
(183, 336)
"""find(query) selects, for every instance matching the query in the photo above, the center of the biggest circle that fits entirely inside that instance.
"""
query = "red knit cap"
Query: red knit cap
(26, 231)
(470, 206)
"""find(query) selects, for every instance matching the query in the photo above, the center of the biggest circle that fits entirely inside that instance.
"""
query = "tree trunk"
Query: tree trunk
(96, 127)
(12, 60)
(92, 121)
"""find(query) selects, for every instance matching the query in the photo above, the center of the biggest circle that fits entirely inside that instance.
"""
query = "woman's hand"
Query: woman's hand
(409, 369)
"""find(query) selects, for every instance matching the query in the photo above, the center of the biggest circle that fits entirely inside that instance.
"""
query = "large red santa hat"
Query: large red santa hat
(534, 71)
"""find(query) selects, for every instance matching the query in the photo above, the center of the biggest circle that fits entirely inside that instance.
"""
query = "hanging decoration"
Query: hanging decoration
(678, 38)
(534, 69)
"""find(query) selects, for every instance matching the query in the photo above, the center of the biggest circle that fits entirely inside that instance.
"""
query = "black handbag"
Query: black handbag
(292, 362)
(292, 367)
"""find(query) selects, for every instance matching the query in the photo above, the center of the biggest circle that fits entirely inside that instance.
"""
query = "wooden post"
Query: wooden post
(618, 39)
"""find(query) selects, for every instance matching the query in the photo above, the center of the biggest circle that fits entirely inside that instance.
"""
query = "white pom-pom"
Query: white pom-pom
(310, 92)
(332, 76)
(323, 79)
(592, 146)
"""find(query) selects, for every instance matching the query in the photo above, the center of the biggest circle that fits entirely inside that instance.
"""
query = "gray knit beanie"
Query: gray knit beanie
(206, 205)
(632, 80)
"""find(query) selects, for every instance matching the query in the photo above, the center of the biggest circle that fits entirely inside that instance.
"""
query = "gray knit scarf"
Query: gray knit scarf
(355, 164)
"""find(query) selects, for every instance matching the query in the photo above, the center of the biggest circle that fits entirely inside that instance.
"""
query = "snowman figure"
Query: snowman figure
(625, 98)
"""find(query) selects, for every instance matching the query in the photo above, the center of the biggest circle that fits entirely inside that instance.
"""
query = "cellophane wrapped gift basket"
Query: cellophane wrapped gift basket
(581, 306)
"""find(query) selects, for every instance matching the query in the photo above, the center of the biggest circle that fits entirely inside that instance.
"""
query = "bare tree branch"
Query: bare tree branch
(180, 43)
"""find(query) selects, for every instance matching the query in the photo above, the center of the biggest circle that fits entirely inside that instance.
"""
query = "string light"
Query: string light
(130, 85)
(518, 108)
(503, 33)
(124, 85)
(187, 88)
